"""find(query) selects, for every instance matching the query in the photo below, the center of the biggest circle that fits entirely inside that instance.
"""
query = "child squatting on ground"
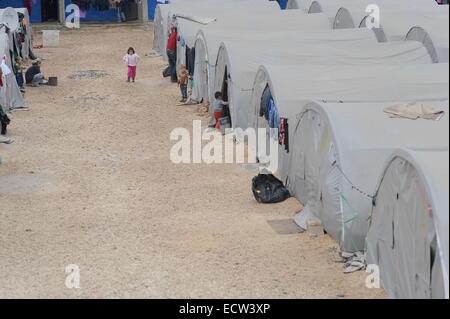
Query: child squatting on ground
(131, 59)
(183, 80)
(218, 105)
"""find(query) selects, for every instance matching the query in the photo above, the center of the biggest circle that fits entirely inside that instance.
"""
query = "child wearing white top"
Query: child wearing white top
(131, 59)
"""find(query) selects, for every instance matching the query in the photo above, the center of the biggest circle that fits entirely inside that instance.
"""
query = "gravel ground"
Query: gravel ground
(89, 182)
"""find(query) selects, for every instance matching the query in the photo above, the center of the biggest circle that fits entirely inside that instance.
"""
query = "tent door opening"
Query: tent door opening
(50, 9)
(130, 10)
(226, 109)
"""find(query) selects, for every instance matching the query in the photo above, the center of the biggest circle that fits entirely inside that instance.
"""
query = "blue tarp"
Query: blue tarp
(91, 14)
(36, 15)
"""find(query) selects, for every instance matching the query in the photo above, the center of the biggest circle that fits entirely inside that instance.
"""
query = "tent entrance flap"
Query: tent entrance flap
(225, 94)
(402, 237)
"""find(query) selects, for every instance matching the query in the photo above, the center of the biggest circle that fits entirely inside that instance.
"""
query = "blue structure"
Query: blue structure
(283, 3)
(91, 14)
(151, 9)
(95, 15)
(36, 12)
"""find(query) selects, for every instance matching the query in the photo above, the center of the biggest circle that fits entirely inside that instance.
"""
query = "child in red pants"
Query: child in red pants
(131, 59)
(218, 105)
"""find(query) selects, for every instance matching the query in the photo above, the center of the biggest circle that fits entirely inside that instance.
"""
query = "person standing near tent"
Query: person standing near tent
(119, 9)
(131, 59)
(172, 53)
(183, 80)
(18, 69)
(218, 105)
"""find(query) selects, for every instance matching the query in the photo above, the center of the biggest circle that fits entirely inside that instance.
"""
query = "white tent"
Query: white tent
(303, 5)
(27, 46)
(290, 86)
(160, 29)
(342, 12)
(337, 154)
(239, 64)
(408, 235)
(330, 8)
(10, 95)
(352, 12)
(429, 28)
(263, 23)
(417, 20)
(201, 9)
(283, 26)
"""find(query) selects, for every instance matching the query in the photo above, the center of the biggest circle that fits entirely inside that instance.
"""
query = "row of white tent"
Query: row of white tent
(398, 20)
(10, 95)
(377, 183)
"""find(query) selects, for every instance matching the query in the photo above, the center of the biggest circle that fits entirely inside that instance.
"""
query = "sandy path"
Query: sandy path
(90, 183)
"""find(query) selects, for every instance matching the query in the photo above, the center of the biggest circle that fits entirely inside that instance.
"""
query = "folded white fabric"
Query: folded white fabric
(414, 111)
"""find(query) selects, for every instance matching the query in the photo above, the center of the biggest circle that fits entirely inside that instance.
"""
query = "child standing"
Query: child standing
(19, 74)
(131, 59)
(183, 80)
(218, 105)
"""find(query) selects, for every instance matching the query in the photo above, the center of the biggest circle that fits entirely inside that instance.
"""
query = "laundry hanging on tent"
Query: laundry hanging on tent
(274, 120)
(269, 111)
(283, 138)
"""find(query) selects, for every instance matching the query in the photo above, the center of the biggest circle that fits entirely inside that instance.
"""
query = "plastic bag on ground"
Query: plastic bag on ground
(268, 189)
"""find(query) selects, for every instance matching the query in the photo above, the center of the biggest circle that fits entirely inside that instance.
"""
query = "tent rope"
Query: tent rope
(354, 187)
(238, 87)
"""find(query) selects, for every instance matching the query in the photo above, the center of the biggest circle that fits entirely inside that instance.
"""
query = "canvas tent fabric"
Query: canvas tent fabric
(290, 85)
(299, 4)
(201, 8)
(343, 18)
(240, 63)
(27, 46)
(430, 29)
(330, 8)
(160, 29)
(283, 26)
(334, 166)
(188, 28)
(421, 21)
(408, 237)
(352, 12)
(281, 21)
(10, 95)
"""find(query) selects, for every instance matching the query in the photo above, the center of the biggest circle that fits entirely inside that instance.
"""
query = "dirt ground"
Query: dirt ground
(89, 182)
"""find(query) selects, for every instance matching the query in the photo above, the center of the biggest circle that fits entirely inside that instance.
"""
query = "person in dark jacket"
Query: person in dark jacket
(33, 76)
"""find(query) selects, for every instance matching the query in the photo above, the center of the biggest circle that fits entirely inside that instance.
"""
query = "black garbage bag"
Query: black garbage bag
(268, 189)
(166, 72)
(5, 121)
